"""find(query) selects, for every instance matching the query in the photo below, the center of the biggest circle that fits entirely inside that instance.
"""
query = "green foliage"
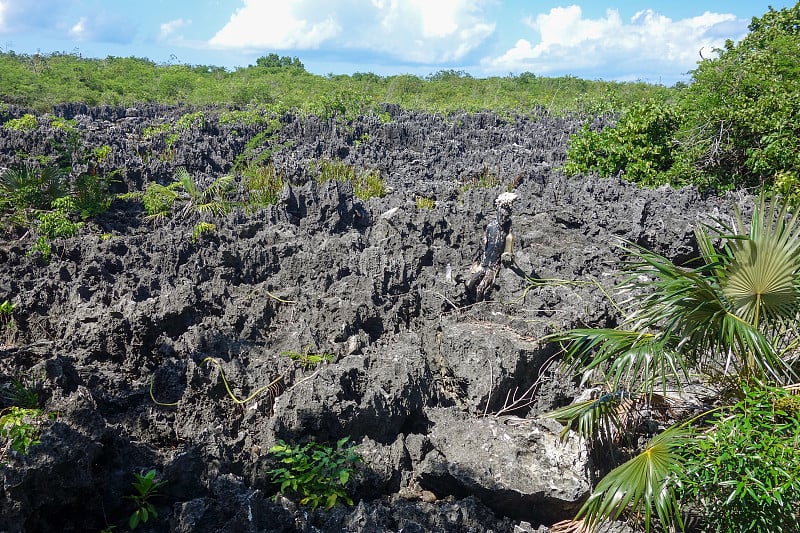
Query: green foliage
(316, 473)
(309, 360)
(423, 202)
(101, 153)
(55, 224)
(8, 327)
(202, 228)
(639, 146)
(29, 187)
(283, 85)
(210, 200)
(731, 318)
(158, 200)
(485, 179)
(736, 125)
(26, 122)
(275, 61)
(20, 428)
(146, 488)
(92, 194)
(264, 185)
(21, 394)
(366, 184)
(189, 121)
(743, 467)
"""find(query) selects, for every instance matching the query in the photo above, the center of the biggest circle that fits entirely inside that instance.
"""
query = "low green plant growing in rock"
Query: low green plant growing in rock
(27, 186)
(316, 473)
(423, 202)
(309, 360)
(264, 185)
(158, 201)
(369, 185)
(366, 184)
(20, 393)
(20, 428)
(92, 194)
(146, 488)
(485, 179)
(26, 122)
(212, 199)
(55, 224)
(729, 320)
(8, 328)
(202, 228)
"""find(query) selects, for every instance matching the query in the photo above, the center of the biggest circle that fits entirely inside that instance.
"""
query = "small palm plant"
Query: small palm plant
(213, 199)
(729, 320)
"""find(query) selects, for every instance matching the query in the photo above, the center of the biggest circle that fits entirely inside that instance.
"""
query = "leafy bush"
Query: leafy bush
(366, 184)
(201, 228)
(736, 125)
(639, 146)
(730, 318)
(92, 194)
(19, 428)
(26, 122)
(317, 473)
(744, 467)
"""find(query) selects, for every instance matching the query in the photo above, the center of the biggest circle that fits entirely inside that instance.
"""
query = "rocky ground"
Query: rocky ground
(121, 321)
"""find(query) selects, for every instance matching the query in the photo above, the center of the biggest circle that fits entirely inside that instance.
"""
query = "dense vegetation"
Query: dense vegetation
(736, 125)
(281, 83)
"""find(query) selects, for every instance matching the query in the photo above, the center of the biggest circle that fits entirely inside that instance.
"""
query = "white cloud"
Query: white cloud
(78, 31)
(169, 28)
(648, 44)
(425, 31)
(3, 9)
(275, 26)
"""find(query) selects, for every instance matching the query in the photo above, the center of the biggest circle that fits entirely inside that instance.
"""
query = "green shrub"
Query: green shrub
(92, 193)
(309, 360)
(8, 327)
(639, 146)
(201, 228)
(369, 185)
(744, 467)
(26, 122)
(19, 428)
(318, 474)
(366, 184)
(158, 200)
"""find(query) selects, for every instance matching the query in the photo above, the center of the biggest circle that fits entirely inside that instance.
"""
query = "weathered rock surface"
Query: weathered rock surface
(123, 318)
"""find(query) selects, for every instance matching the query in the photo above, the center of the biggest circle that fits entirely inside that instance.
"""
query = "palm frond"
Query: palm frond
(594, 419)
(642, 486)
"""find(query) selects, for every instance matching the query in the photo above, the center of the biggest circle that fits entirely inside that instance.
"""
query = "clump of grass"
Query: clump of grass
(366, 184)
(485, 179)
(423, 202)
(264, 184)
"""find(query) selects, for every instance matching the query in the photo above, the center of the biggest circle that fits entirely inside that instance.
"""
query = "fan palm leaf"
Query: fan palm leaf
(643, 485)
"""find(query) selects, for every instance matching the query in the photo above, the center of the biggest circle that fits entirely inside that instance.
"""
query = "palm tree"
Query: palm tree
(731, 319)
(212, 199)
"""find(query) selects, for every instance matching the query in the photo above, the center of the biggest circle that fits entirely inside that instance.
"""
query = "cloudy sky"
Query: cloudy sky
(653, 40)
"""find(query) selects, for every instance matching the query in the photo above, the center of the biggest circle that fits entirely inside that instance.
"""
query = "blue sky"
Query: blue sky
(654, 41)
